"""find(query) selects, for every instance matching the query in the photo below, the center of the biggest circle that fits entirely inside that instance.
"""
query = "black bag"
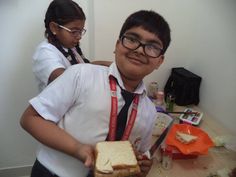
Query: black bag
(184, 85)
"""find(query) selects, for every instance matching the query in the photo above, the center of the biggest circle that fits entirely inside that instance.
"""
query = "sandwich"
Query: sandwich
(185, 138)
(115, 159)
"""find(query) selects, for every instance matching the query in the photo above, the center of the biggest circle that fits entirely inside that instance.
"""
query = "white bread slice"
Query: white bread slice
(103, 164)
(115, 158)
(185, 138)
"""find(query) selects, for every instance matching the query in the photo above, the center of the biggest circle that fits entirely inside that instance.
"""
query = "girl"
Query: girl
(64, 23)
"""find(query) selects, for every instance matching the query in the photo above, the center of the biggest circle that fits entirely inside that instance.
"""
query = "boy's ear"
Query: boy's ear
(160, 61)
(117, 42)
(53, 27)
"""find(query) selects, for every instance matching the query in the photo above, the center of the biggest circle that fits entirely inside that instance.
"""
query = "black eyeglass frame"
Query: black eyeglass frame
(143, 45)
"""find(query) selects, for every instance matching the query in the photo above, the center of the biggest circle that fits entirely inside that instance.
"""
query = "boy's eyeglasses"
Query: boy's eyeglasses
(74, 33)
(132, 43)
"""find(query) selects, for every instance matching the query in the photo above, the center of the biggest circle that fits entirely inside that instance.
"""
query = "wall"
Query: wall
(203, 40)
(22, 28)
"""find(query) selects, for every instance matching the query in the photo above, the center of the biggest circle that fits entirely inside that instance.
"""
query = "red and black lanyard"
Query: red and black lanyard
(114, 110)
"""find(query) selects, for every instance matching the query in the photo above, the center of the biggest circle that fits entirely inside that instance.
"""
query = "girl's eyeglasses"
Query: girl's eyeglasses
(74, 33)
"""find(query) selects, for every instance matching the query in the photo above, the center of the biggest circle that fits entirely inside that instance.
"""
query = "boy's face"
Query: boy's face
(135, 64)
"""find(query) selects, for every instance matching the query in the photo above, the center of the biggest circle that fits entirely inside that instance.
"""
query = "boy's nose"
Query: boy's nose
(140, 49)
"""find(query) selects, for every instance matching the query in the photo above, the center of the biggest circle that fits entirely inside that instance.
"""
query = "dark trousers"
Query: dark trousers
(90, 174)
(39, 170)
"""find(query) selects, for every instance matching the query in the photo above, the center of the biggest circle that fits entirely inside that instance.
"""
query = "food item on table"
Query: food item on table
(185, 138)
(115, 158)
(219, 141)
(228, 141)
(224, 172)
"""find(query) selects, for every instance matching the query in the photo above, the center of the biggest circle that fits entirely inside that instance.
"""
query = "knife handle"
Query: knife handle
(146, 155)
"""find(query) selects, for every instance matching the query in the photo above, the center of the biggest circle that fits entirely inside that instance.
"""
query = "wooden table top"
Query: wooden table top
(216, 159)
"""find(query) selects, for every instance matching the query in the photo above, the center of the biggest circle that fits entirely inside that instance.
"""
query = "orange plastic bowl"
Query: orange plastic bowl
(199, 147)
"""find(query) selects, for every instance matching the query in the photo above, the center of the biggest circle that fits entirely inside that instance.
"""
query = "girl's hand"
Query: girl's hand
(85, 153)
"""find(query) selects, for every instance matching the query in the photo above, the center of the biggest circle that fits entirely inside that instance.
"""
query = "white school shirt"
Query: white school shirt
(79, 101)
(46, 59)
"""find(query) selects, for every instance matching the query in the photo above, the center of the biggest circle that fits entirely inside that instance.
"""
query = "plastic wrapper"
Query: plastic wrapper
(228, 141)
(162, 121)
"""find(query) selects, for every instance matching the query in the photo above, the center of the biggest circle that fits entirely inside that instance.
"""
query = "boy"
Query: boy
(80, 108)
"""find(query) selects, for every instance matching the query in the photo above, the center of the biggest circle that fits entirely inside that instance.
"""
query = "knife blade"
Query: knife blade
(148, 154)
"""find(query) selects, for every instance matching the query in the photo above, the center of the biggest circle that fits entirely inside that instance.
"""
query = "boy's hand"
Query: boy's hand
(145, 164)
(85, 153)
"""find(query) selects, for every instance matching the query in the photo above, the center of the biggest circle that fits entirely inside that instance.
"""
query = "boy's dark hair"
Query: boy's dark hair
(150, 21)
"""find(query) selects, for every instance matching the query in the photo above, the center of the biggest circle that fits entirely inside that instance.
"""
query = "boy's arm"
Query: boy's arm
(101, 62)
(48, 133)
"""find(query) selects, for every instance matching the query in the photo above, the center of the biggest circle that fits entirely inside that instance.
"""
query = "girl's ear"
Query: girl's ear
(53, 28)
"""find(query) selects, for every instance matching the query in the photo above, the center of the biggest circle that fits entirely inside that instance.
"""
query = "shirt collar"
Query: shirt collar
(66, 49)
(113, 71)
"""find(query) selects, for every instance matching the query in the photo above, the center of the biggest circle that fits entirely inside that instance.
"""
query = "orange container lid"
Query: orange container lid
(199, 147)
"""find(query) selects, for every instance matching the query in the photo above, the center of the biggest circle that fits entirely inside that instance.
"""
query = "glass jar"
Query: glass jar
(152, 90)
(170, 101)
(167, 158)
(160, 101)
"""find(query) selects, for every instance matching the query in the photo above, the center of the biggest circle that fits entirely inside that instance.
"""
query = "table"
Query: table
(216, 159)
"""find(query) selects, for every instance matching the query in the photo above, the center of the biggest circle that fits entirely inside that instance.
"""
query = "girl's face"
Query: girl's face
(69, 34)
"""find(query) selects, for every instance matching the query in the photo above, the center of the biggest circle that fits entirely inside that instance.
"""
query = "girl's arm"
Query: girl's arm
(101, 62)
(57, 72)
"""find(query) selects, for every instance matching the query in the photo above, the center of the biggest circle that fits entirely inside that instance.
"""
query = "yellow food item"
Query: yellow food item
(185, 138)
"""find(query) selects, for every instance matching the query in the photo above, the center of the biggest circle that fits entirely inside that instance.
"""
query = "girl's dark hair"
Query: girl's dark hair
(150, 21)
(62, 12)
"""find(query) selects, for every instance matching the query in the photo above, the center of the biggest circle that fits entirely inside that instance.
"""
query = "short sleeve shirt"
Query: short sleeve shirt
(46, 59)
(79, 101)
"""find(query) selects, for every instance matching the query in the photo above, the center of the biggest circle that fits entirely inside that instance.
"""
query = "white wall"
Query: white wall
(203, 41)
(22, 28)
(20, 31)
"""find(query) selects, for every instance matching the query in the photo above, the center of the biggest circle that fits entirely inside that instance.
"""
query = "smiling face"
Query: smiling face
(134, 65)
(66, 38)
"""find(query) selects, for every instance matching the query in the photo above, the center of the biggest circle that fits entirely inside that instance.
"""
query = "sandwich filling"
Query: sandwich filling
(185, 138)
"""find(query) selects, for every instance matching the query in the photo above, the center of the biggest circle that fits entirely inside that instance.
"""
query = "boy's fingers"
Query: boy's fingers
(89, 162)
